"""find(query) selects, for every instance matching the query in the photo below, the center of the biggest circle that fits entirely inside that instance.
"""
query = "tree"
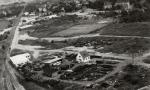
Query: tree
(98, 4)
(135, 49)
(3, 47)
(48, 70)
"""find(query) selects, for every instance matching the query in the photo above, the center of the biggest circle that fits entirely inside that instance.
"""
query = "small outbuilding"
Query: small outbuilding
(55, 61)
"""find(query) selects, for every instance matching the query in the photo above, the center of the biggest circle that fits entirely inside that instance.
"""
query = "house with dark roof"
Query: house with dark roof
(108, 5)
(83, 56)
(124, 4)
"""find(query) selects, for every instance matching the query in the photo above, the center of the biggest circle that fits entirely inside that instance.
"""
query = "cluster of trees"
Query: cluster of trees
(132, 78)
(98, 4)
(49, 70)
(4, 36)
(30, 70)
(66, 6)
(10, 11)
(135, 16)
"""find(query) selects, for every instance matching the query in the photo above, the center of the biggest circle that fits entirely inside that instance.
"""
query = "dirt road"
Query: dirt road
(11, 78)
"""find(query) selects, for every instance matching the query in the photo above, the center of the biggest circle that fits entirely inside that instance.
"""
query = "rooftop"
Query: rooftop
(84, 54)
(20, 59)
(122, 1)
(52, 60)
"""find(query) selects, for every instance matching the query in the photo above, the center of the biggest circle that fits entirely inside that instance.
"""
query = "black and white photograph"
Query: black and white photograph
(74, 44)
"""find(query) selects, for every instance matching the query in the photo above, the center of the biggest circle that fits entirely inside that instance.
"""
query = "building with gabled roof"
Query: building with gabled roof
(20, 59)
(83, 56)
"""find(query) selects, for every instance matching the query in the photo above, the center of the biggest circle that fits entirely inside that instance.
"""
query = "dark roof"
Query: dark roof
(122, 1)
(84, 54)
(107, 3)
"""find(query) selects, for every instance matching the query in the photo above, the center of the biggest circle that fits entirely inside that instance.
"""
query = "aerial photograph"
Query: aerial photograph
(74, 44)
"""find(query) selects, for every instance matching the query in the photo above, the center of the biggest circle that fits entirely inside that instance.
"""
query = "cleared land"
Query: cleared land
(126, 29)
(79, 30)
(45, 28)
(68, 25)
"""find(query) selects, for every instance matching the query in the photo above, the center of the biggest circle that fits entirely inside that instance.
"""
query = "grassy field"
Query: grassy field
(126, 29)
(33, 86)
(46, 28)
(47, 45)
(3, 24)
(79, 30)
(16, 52)
(62, 26)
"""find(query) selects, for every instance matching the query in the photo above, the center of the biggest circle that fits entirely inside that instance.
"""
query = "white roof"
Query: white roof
(52, 16)
(52, 60)
(20, 59)
(25, 26)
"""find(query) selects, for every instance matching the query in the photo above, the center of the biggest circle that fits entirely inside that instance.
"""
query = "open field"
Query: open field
(32, 86)
(126, 29)
(46, 28)
(16, 52)
(101, 44)
(79, 30)
(44, 43)
(3, 24)
(68, 25)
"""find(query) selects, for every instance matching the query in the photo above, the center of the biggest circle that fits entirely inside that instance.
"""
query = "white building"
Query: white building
(21, 59)
(83, 56)
(26, 13)
(51, 16)
(125, 4)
